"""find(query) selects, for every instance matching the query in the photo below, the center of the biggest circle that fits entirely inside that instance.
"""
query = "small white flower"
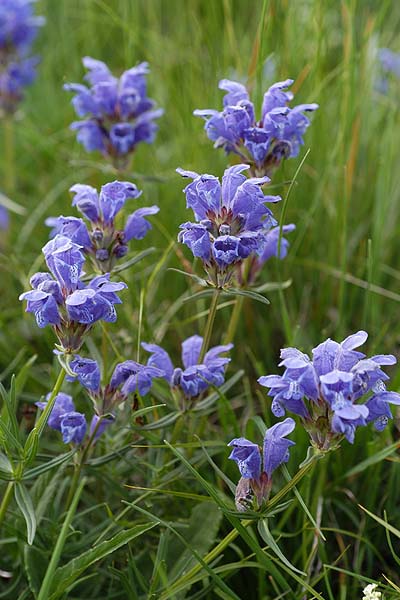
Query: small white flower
(370, 592)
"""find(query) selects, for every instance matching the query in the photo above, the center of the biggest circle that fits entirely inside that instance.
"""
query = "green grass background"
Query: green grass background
(343, 262)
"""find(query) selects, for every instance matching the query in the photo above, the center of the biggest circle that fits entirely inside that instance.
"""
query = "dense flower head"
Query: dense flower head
(61, 299)
(117, 114)
(195, 377)
(263, 143)
(335, 392)
(18, 29)
(64, 418)
(232, 220)
(256, 465)
(97, 233)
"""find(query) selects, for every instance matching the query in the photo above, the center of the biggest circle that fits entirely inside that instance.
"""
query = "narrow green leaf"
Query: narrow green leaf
(246, 294)
(195, 278)
(199, 295)
(65, 576)
(272, 286)
(203, 528)
(384, 524)
(55, 462)
(10, 406)
(134, 260)
(24, 502)
(269, 540)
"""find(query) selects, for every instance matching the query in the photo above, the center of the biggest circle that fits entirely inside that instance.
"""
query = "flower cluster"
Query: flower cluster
(335, 392)
(232, 221)
(196, 377)
(18, 29)
(265, 143)
(256, 466)
(65, 419)
(99, 239)
(370, 592)
(118, 114)
(129, 377)
(62, 300)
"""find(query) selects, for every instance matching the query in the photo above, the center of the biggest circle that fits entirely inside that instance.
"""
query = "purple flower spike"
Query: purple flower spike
(265, 143)
(117, 114)
(134, 377)
(99, 238)
(195, 378)
(335, 392)
(233, 220)
(255, 468)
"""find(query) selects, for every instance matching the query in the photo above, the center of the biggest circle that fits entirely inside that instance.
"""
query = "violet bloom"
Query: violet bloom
(232, 221)
(195, 378)
(18, 29)
(256, 466)
(117, 114)
(264, 143)
(98, 235)
(247, 274)
(64, 418)
(61, 299)
(335, 392)
(129, 377)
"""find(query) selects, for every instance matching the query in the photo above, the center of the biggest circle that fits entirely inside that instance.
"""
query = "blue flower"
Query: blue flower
(134, 377)
(117, 113)
(64, 301)
(232, 220)
(100, 239)
(18, 29)
(265, 143)
(65, 419)
(87, 372)
(326, 391)
(256, 466)
(195, 378)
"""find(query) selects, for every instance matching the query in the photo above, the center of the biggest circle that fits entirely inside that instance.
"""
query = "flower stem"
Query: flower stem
(48, 580)
(44, 417)
(40, 425)
(232, 535)
(234, 320)
(78, 467)
(209, 324)
(6, 500)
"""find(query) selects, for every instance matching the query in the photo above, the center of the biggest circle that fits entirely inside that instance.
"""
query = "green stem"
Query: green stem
(78, 467)
(44, 417)
(9, 156)
(40, 425)
(234, 320)
(48, 580)
(232, 535)
(6, 500)
(210, 324)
